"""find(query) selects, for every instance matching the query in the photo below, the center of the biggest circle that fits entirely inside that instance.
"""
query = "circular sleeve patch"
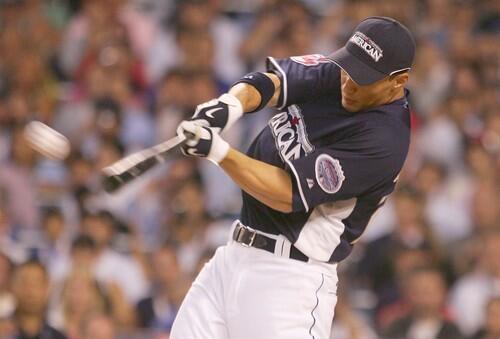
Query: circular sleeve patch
(329, 174)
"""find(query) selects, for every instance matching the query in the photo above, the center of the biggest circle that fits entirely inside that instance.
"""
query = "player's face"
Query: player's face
(356, 98)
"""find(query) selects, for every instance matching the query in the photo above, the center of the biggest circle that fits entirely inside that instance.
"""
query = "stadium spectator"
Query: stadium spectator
(425, 293)
(446, 206)
(56, 237)
(99, 326)
(16, 180)
(491, 327)
(10, 247)
(188, 224)
(472, 291)
(80, 297)
(30, 286)
(411, 237)
(7, 301)
(111, 268)
(168, 286)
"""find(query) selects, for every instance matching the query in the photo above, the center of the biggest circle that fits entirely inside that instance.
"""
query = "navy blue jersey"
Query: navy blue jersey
(342, 164)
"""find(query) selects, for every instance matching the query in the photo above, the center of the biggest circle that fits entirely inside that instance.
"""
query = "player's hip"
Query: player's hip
(273, 250)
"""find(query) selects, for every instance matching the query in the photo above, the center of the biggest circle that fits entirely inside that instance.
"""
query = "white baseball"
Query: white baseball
(46, 140)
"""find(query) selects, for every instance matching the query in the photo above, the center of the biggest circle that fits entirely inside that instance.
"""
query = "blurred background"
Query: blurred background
(116, 76)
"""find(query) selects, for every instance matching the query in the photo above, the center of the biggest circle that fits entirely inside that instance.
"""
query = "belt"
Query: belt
(250, 238)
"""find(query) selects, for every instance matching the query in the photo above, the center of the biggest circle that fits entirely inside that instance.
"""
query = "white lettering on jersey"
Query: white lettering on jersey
(290, 135)
(368, 45)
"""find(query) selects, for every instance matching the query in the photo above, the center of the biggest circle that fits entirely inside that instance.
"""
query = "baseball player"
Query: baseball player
(311, 180)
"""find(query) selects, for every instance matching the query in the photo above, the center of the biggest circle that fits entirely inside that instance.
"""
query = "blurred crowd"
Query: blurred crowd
(117, 76)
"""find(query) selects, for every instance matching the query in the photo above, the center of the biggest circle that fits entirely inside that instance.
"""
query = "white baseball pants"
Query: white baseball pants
(249, 293)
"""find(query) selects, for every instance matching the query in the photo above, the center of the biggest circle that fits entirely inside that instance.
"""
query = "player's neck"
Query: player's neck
(386, 99)
(398, 94)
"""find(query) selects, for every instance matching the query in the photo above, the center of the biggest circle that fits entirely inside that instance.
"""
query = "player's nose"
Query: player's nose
(349, 86)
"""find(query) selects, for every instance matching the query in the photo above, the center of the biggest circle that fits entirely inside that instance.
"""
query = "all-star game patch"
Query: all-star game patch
(329, 174)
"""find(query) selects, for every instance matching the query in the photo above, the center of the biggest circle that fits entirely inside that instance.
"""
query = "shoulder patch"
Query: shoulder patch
(311, 59)
(329, 173)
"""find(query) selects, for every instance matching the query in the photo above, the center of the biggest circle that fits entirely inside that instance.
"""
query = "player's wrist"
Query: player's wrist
(220, 149)
(235, 109)
(219, 114)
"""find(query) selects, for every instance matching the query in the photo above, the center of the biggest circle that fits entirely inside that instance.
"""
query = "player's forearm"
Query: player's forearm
(247, 95)
(269, 184)
(250, 98)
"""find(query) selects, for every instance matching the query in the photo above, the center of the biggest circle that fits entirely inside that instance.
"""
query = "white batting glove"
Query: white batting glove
(202, 142)
(219, 114)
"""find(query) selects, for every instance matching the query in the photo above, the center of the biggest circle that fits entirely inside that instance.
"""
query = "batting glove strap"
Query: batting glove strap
(219, 149)
(203, 142)
(220, 113)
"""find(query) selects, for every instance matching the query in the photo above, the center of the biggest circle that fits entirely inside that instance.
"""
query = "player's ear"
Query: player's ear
(400, 79)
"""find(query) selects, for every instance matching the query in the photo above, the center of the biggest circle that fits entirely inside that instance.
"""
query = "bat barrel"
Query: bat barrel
(112, 181)
(132, 166)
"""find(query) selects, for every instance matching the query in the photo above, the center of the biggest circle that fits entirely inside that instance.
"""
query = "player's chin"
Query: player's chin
(350, 106)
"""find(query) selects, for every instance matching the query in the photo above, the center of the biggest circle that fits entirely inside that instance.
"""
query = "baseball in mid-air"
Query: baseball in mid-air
(47, 141)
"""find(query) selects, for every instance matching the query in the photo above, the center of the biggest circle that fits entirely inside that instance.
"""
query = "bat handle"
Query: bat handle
(190, 136)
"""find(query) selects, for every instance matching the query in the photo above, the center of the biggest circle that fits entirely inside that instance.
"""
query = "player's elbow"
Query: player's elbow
(279, 199)
(278, 203)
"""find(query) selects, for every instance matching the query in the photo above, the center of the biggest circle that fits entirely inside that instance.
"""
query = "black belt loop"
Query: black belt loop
(250, 238)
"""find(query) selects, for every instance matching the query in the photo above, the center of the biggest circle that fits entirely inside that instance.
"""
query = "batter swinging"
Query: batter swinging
(311, 181)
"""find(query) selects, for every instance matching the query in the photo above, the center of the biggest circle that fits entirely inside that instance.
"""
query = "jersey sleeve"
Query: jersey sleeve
(343, 171)
(304, 78)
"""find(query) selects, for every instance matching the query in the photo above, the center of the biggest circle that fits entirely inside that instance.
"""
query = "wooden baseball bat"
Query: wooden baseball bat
(136, 164)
